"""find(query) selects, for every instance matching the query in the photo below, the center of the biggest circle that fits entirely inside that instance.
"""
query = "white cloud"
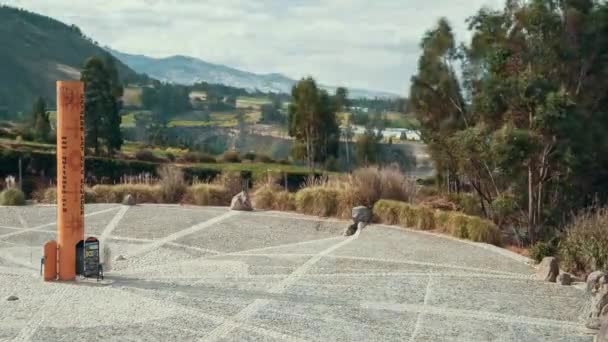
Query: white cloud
(358, 43)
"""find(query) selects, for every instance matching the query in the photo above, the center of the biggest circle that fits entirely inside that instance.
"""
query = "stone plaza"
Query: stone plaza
(179, 273)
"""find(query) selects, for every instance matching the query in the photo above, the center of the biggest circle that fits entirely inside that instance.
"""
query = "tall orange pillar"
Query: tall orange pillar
(70, 175)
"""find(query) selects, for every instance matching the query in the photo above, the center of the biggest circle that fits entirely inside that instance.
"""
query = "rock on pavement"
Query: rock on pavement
(548, 269)
(564, 279)
(129, 200)
(362, 214)
(241, 202)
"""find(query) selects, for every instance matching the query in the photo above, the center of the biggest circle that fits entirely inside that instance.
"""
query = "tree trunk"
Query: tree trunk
(531, 228)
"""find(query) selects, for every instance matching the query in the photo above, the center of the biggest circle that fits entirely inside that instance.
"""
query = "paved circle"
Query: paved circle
(208, 274)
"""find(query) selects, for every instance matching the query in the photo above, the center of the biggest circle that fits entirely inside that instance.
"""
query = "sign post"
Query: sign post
(70, 175)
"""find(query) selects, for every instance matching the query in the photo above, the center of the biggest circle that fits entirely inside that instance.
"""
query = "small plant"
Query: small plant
(146, 155)
(197, 157)
(12, 197)
(318, 201)
(584, 248)
(251, 156)
(262, 158)
(231, 157)
(172, 184)
(542, 249)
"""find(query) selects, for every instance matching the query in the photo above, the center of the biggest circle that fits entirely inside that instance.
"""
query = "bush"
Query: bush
(273, 198)
(197, 157)
(542, 249)
(318, 201)
(584, 248)
(143, 193)
(12, 197)
(231, 157)
(146, 155)
(466, 202)
(170, 156)
(262, 158)
(49, 195)
(425, 218)
(249, 156)
(231, 181)
(172, 185)
(481, 230)
(208, 194)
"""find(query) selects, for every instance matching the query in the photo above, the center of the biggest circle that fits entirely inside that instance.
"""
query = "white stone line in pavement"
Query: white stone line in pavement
(475, 314)
(223, 320)
(27, 333)
(248, 251)
(129, 239)
(407, 262)
(38, 228)
(419, 318)
(109, 229)
(160, 242)
(198, 249)
(258, 304)
(13, 228)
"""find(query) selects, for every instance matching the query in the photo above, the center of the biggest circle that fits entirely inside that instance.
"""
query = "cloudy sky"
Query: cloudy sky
(370, 44)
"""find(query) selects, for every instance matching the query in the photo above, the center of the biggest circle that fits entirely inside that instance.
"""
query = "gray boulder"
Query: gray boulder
(598, 310)
(120, 258)
(362, 214)
(564, 279)
(241, 202)
(12, 298)
(350, 230)
(129, 200)
(593, 280)
(548, 269)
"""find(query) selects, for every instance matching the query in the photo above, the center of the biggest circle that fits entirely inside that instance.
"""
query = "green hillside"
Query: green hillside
(37, 51)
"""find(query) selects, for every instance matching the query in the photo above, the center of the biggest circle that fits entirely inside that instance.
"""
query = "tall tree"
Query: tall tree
(102, 107)
(40, 121)
(312, 122)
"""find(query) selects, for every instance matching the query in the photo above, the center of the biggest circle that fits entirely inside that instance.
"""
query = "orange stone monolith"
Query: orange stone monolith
(50, 260)
(70, 175)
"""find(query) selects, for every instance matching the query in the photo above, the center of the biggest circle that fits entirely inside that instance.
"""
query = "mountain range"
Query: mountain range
(36, 51)
(188, 70)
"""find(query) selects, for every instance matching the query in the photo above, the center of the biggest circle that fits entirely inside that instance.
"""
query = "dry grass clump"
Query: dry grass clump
(143, 193)
(584, 247)
(12, 197)
(424, 218)
(231, 181)
(207, 194)
(272, 197)
(172, 184)
(318, 201)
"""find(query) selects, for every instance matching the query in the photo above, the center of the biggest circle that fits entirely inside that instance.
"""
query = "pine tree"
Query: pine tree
(41, 123)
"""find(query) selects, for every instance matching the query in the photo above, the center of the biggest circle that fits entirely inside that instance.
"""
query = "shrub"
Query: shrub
(197, 157)
(262, 158)
(170, 156)
(273, 198)
(395, 212)
(467, 203)
(231, 157)
(146, 155)
(318, 201)
(207, 194)
(172, 185)
(249, 156)
(425, 218)
(481, 230)
(231, 181)
(12, 197)
(542, 249)
(457, 225)
(386, 211)
(143, 193)
(584, 248)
